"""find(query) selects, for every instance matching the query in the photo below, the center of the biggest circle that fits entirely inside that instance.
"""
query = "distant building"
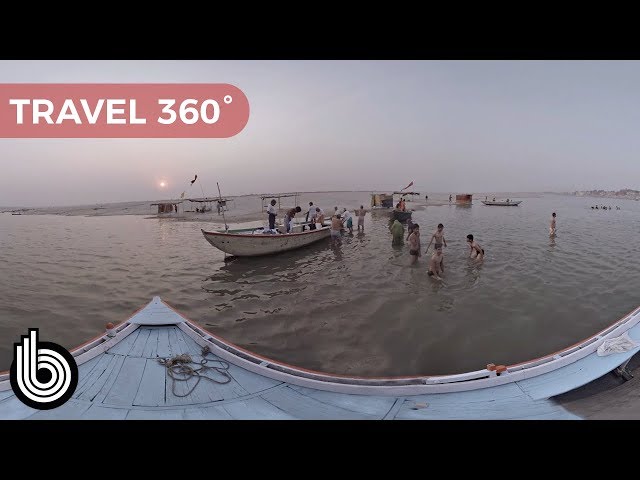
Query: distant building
(464, 199)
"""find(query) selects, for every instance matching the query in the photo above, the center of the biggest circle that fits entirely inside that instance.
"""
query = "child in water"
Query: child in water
(438, 236)
(436, 264)
(477, 251)
(414, 243)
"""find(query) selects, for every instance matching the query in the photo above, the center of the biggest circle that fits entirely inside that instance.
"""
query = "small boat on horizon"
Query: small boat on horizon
(511, 203)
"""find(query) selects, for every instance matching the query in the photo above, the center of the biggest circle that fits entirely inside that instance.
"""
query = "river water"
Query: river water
(358, 308)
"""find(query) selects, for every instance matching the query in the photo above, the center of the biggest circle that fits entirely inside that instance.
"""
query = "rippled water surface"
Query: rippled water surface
(358, 308)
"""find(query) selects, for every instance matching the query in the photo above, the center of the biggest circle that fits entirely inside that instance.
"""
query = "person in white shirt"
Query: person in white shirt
(347, 220)
(272, 211)
(360, 214)
(319, 218)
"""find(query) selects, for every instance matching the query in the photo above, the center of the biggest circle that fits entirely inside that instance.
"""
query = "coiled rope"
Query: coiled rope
(179, 370)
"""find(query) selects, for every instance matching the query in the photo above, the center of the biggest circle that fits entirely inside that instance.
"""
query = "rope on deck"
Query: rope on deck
(179, 370)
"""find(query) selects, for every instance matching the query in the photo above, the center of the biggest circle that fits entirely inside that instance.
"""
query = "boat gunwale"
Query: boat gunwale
(519, 370)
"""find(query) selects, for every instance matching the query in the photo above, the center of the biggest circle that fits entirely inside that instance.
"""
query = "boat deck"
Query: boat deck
(121, 378)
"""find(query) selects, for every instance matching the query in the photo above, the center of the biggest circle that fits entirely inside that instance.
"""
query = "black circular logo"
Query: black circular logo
(43, 375)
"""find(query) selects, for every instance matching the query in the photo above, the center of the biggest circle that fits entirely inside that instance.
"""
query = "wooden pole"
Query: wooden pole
(226, 227)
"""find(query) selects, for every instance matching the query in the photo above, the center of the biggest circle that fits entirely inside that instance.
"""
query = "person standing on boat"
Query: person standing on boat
(272, 211)
(477, 251)
(311, 215)
(449, 198)
(288, 218)
(552, 225)
(438, 236)
(319, 218)
(361, 213)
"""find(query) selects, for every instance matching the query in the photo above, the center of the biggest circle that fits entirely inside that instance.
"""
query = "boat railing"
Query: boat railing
(617, 328)
(520, 371)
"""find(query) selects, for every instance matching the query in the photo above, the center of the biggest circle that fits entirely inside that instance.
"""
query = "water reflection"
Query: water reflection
(336, 248)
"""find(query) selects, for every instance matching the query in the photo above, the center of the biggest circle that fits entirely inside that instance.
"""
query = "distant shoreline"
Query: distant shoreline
(243, 208)
(104, 205)
(609, 197)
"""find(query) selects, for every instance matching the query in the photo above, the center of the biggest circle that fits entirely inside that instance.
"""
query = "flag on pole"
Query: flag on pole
(194, 180)
(407, 186)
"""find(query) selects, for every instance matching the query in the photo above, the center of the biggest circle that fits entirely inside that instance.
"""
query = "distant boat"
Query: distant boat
(503, 204)
(247, 243)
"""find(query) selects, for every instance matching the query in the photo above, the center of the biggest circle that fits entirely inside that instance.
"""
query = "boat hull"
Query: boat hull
(502, 204)
(400, 216)
(253, 245)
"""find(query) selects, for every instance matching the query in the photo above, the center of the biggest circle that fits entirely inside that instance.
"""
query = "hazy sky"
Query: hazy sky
(449, 126)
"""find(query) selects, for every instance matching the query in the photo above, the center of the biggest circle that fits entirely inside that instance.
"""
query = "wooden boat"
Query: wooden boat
(512, 203)
(247, 243)
(400, 215)
(129, 372)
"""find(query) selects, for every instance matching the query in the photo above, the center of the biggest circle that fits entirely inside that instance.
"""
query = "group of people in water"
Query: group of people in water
(436, 262)
(343, 220)
(603, 207)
